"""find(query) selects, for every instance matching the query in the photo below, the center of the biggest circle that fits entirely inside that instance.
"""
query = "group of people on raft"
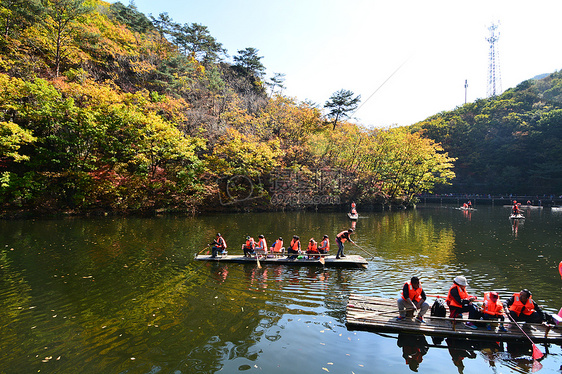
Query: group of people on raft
(521, 306)
(467, 205)
(259, 248)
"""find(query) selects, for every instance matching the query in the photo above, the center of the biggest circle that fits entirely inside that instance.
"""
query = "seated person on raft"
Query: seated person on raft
(277, 247)
(261, 247)
(324, 246)
(219, 246)
(294, 248)
(459, 301)
(249, 246)
(312, 250)
(412, 299)
(492, 309)
(523, 308)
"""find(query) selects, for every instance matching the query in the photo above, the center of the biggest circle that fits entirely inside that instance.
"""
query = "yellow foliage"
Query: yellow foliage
(237, 153)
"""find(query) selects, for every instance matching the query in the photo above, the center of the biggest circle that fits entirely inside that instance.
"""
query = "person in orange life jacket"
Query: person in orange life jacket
(340, 239)
(412, 298)
(324, 246)
(459, 301)
(219, 245)
(469, 204)
(522, 307)
(312, 248)
(249, 246)
(294, 248)
(492, 309)
(515, 208)
(261, 247)
(277, 246)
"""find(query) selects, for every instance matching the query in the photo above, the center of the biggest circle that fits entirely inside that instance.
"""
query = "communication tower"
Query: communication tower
(494, 76)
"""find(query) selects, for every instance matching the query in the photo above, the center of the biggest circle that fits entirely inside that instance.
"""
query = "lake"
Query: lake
(124, 295)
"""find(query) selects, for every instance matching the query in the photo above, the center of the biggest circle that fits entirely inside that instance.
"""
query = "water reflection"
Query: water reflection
(514, 355)
(414, 347)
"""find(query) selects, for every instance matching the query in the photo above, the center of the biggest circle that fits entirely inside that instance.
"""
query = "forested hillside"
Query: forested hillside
(507, 144)
(105, 109)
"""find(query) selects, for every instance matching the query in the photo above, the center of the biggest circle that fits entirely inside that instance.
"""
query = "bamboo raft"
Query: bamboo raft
(329, 261)
(379, 315)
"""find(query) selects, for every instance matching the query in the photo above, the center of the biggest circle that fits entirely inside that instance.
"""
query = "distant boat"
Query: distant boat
(353, 216)
(466, 208)
(556, 208)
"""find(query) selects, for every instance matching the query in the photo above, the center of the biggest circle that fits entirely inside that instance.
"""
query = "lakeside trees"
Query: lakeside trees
(507, 144)
(137, 116)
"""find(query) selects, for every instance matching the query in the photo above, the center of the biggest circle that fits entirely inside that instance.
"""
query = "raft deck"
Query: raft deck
(379, 315)
(330, 261)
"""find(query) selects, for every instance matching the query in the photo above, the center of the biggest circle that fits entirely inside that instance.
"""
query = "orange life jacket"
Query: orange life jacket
(221, 243)
(313, 247)
(250, 243)
(262, 244)
(295, 245)
(518, 307)
(277, 246)
(340, 236)
(451, 301)
(494, 308)
(325, 244)
(413, 294)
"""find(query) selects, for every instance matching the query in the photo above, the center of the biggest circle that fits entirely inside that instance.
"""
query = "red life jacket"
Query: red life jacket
(518, 307)
(493, 308)
(221, 243)
(250, 243)
(340, 236)
(312, 247)
(325, 244)
(295, 245)
(451, 301)
(413, 294)
(277, 246)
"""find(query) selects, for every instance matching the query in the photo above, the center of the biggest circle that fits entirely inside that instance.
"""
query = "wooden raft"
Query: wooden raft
(379, 315)
(330, 261)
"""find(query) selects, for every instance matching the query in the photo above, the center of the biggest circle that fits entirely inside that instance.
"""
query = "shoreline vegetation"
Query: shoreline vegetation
(107, 111)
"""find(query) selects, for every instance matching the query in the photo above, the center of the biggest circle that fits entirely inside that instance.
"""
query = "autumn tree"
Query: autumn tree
(60, 18)
(18, 14)
(340, 104)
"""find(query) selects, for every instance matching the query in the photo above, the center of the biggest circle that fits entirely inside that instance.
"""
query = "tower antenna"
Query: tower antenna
(494, 77)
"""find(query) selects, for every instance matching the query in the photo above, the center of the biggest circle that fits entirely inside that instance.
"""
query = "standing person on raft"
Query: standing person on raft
(340, 239)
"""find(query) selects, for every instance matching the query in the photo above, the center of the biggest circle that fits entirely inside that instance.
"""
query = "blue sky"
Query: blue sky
(427, 48)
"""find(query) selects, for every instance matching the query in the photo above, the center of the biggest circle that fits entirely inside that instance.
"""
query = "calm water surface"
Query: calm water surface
(124, 295)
